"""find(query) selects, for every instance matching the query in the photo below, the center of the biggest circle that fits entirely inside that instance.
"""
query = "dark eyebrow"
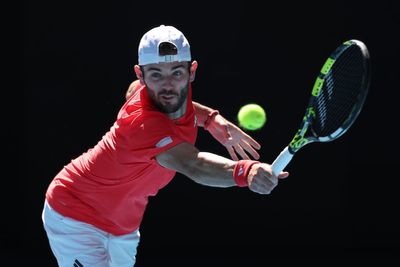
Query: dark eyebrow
(174, 68)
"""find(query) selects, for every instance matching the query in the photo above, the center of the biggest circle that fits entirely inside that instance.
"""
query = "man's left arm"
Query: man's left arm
(227, 133)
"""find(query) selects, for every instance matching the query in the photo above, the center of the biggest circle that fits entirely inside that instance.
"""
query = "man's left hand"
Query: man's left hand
(236, 141)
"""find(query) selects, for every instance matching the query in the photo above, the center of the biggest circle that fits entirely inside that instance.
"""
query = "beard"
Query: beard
(169, 107)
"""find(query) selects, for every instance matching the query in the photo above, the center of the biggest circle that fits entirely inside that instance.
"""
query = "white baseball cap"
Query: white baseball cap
(149, 46)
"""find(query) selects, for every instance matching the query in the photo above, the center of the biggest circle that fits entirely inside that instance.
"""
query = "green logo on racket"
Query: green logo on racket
(321, 78)
(299, 140)
(327, 66)
(317, 86)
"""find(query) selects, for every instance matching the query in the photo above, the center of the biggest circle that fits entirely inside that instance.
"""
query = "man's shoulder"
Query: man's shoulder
(133, 87)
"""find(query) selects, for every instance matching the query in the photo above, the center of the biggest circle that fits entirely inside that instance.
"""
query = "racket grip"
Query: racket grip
(281, 161)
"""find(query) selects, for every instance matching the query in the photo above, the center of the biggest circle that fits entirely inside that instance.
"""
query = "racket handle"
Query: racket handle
(281, 161)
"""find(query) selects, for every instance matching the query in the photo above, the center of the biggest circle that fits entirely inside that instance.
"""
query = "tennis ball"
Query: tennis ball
(252, 117)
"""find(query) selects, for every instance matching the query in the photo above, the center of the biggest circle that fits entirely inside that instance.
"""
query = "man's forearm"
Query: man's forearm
(212, 170)
(202, 167)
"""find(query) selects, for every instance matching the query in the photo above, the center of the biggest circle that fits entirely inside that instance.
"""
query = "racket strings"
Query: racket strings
(339, 93)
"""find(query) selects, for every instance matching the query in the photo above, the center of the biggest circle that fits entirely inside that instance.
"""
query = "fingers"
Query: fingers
(264, 181)
(264, 185)
(248, 139)
(240, 143)
(283, 175)
(232, 153)
(240, 151)
(250, 150)
(253, 142)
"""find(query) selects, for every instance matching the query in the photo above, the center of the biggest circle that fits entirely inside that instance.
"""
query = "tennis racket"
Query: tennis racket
(337, 97)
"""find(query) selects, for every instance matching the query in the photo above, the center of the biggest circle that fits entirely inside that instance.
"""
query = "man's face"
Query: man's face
(167, 84)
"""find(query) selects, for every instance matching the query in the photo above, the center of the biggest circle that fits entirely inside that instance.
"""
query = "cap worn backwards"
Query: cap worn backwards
(152, 43)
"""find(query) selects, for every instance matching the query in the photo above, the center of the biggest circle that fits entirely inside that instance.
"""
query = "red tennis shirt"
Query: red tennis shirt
(108, 186)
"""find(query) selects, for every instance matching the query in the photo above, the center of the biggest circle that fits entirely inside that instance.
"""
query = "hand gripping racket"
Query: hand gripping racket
(337, 98)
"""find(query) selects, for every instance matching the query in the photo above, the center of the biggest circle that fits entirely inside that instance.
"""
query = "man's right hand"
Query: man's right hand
(261, 179)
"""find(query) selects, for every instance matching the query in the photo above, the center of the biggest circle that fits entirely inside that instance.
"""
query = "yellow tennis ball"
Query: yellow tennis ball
(252, 117)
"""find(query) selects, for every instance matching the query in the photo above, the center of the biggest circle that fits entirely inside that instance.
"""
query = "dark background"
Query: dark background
(341, 201)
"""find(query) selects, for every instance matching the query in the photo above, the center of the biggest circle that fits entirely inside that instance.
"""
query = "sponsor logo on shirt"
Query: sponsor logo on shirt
(165, 141)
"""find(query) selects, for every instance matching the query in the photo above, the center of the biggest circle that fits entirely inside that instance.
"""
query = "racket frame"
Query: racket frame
(301, 139)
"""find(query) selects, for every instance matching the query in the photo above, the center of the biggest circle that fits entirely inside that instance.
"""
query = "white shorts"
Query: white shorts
(78, 244)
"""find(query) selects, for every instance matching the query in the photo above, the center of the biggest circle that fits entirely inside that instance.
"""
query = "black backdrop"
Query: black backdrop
(341, 199)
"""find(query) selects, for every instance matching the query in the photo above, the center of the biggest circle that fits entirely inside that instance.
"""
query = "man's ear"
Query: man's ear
(139, 73)
(193, 69)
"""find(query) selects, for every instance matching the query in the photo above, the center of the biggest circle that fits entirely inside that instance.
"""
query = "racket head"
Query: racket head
(337, 97)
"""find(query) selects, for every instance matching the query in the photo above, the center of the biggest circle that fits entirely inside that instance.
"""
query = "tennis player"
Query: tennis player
(95, 204)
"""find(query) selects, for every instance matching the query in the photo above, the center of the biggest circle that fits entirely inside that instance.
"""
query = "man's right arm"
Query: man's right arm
(214, 170)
